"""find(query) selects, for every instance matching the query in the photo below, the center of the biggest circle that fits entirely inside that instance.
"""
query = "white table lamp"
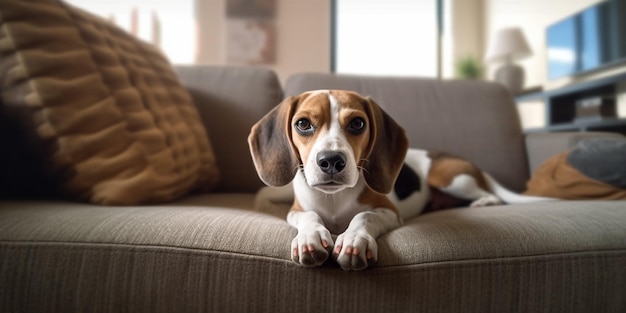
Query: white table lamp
(509, 45)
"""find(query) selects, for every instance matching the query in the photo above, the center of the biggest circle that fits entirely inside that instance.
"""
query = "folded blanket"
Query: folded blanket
(594, 169)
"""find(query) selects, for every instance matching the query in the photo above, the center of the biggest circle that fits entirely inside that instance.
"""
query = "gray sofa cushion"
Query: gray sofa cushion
(222, 222)
(230, 100)
(210, 253)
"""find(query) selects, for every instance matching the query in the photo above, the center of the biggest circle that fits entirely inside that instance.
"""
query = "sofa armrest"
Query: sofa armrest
(541, 146)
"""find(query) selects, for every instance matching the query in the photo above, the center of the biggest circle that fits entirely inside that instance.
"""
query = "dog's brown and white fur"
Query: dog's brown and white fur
(343, 153)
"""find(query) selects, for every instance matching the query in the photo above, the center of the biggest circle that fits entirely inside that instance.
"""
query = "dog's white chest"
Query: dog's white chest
(335, 210)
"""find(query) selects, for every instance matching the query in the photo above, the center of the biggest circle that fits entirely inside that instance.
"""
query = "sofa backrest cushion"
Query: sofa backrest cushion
(474, 120)
(123, 128)
(230, 100)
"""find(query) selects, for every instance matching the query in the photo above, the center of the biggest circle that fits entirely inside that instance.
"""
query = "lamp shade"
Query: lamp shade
(508, 44)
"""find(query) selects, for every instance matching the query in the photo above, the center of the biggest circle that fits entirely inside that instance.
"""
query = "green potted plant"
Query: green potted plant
(469, 67)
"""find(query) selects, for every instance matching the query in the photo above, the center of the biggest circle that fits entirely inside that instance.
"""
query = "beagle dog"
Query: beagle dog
(353, 176)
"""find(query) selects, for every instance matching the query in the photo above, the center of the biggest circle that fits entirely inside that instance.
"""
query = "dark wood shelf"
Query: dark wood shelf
(560, 105)
(610, 125)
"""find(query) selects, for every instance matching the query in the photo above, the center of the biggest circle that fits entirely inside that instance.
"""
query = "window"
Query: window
(168, 24)
(386, 37)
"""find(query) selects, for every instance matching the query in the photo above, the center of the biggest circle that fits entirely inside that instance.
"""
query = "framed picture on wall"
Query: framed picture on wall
(250, 8)
(250, 41)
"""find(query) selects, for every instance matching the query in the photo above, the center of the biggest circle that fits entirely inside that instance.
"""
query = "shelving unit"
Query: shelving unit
(560, 106)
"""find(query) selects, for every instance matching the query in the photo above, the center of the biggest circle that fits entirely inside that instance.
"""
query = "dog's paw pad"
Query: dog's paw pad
(310, 255)
(310, 250)
(354, 252)
(313, 258)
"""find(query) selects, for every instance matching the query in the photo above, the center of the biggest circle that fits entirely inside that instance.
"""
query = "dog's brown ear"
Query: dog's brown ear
(270, 145)
(387, 149)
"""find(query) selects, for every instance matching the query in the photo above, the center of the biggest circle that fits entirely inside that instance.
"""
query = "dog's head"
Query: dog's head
(333, 137)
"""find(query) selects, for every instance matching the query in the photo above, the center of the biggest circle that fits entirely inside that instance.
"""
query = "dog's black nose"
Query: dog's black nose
(331, 162)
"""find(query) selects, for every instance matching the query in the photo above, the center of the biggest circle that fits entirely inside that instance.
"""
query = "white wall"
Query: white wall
(464, 32)
(302, 35)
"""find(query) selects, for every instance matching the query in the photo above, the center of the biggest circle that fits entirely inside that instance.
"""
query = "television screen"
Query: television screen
(588, 40)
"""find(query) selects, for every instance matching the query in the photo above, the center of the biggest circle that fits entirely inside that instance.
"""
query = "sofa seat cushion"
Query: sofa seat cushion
(120, 126)
(210, 254)
(223, 222)
(208, 222)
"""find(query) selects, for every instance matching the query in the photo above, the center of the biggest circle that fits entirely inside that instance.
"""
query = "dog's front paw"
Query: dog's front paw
(355, 251)
(311, 248)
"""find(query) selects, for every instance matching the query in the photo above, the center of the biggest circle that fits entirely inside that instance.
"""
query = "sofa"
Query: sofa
(213, 252)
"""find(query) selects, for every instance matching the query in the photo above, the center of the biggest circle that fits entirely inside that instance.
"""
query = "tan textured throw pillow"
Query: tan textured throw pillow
(125, 130)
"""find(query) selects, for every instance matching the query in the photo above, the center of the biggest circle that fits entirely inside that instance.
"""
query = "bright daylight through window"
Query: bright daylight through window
(386, 37)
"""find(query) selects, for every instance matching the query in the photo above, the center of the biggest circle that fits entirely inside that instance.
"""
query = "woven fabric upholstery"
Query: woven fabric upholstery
(210, 254)
(124, 129)
(230, 100)
(77, 278)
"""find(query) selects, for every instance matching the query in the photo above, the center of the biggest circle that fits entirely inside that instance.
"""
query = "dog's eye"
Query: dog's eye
(356, 126)
(304, 126)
